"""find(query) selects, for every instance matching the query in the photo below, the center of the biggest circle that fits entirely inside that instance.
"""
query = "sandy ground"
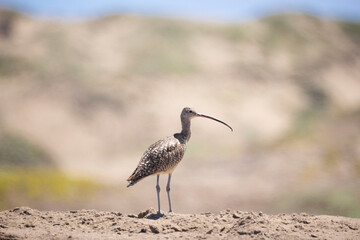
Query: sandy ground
(27, 223)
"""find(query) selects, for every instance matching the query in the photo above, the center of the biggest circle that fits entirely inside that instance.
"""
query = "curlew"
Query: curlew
(163, 156)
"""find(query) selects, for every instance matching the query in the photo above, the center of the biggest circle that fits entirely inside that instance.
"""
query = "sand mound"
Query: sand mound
(27, 223)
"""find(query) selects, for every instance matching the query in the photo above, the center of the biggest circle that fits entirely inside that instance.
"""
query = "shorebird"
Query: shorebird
(163, 156)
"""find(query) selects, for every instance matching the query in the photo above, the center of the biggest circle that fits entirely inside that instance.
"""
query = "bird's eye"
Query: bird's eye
(190, 111)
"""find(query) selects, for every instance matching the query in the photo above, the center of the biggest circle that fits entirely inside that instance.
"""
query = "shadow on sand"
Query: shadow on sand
(155, 216)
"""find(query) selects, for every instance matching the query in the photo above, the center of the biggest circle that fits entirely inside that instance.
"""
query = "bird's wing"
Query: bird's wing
(159, 157)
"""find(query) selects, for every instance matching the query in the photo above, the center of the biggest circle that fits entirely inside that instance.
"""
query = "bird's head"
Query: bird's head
(189, 113)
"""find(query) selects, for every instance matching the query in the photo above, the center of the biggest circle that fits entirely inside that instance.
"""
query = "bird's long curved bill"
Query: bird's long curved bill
(205, 116)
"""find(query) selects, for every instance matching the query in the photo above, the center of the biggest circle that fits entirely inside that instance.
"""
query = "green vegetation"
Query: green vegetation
(343, 202)
(28, 176)
(303, 128)
(234, 33)
(158, 60)
(11, 65)
(306, 120)
(281, 34)
(352, 29)
(172, 30)
(161, 50)
(21, 187)
(16, 150)
(60, 61)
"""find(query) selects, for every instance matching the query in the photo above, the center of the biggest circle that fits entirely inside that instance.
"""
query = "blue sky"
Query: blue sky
(211, 10)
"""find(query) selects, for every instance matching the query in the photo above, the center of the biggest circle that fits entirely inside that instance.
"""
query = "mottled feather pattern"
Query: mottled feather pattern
(161, 156)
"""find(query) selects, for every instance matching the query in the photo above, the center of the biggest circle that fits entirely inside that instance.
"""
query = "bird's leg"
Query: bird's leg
(168, 192)
(158, 192)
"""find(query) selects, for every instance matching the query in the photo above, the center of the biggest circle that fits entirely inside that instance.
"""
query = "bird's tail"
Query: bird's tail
(135, 177)
(131, 182)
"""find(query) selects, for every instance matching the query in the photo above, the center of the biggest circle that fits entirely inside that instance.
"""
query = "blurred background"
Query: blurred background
(87, 86)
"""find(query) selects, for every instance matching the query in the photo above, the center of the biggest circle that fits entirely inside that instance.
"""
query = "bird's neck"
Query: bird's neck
(185, 132)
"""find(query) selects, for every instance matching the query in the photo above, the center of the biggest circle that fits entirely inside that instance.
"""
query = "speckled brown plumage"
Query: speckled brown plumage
(160, 157)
